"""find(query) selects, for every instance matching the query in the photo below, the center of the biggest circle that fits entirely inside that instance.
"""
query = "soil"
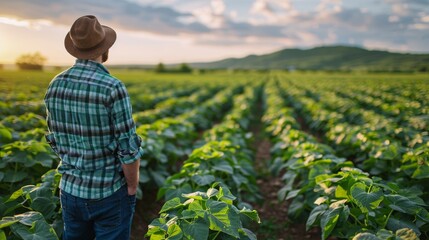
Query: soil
(146, 210)
(305, 128)
(275, 224)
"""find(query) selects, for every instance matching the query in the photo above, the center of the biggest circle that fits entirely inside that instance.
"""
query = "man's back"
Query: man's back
(82, 104)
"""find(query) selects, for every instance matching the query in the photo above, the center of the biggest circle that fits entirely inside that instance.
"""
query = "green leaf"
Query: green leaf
(222, 218)
(365, 236)
(385, 234)
(171, 204)
(53, 177)
(174, 232)
(340, 192)
(159, 223)
(156, 233)
(223, 166)
(195, 230)
(18, 193)
(330, 218)
(321, 200)
(296, 207)
(422, 172)
(58, 226)
(42, 190)
(423, 215)
(44, 205)
(27, 218)
(196, 195)
(157, 177)
(178, 192)
(402, 204)
(251, 235)
(406, 234)
(225, 195)
(44, 159)
(20, 157)
(239, 179)
(39, 230)
(2, 235)
(203, 180)
(5, 134)
(7, 221)
(315, 215)
(366, 201)
(144, 176)
(13, 177)
(252, 214)
(212, 192)
(396, 224)
(196, 207)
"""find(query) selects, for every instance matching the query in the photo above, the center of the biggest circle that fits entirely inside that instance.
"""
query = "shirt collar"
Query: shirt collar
(90, 64)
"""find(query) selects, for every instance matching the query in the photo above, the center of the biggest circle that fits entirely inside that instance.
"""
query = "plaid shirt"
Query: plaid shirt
(91, 128)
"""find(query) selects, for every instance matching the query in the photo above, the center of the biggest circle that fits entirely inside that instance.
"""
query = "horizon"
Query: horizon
(12, 65)
(178, 31)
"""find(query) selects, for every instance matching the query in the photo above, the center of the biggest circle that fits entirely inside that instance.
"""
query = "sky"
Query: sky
(175, 31)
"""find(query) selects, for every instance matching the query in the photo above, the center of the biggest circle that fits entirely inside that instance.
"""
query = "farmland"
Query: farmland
(269, 155)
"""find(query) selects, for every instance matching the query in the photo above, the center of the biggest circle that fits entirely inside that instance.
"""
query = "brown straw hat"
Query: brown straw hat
(88, 39)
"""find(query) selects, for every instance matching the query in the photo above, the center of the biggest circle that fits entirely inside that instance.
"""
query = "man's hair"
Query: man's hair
(105, 56)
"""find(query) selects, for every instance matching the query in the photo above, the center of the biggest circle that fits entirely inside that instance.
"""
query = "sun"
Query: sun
(6, 45)
(10, 42)
(2, 48)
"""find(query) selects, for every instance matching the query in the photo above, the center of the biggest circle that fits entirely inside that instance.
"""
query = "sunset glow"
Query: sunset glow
(174, 31)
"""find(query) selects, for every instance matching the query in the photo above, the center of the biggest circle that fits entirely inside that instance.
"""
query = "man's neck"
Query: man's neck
(99, 59)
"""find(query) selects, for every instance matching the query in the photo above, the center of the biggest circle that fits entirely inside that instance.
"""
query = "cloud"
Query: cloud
(273, 10)
(213, 15)
(275, 22)
(330, 6)
(25, 23)
(218, 7)
(419, 2)
(262, 7)
(120, 14)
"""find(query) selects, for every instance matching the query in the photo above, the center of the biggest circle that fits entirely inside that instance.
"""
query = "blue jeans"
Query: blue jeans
(104, 219)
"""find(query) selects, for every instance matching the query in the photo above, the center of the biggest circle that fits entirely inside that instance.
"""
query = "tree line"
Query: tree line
(183, 68)
(31, 61)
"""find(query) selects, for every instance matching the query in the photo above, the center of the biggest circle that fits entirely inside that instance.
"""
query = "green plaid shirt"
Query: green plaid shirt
(91, 129)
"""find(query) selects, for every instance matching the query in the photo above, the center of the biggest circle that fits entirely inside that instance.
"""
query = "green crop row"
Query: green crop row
(169, 140)
(201, 199)
(376, 146)
(332, 193)
(174, 106)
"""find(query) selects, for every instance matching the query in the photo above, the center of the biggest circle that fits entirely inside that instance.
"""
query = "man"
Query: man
(92, 130)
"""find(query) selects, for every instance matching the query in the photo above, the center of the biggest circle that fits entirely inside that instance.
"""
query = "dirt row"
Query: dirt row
(275, 224)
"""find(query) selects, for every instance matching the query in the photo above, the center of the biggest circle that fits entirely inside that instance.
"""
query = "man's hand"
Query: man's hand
(132, 191)
(131, 172)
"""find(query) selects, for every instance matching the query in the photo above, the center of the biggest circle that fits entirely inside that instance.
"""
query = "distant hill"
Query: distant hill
(326, 58)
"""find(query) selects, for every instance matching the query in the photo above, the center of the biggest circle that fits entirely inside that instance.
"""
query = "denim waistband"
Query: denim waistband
(121, 190)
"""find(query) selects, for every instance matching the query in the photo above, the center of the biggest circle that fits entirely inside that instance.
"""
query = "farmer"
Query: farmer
(92, 130)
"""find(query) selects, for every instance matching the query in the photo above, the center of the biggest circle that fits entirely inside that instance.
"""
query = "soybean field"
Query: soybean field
(242, 155)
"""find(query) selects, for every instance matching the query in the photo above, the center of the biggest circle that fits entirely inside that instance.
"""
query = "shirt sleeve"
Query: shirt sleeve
(129, 143)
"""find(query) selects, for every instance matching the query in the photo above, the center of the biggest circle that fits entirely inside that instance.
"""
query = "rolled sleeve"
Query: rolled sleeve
(129, 149)
(129, 143)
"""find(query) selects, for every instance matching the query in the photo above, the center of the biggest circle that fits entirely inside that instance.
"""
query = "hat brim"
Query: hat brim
(94, 52)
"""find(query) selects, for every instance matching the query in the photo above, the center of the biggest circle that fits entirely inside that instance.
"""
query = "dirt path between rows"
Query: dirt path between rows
(275, 224)
(146, 210)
